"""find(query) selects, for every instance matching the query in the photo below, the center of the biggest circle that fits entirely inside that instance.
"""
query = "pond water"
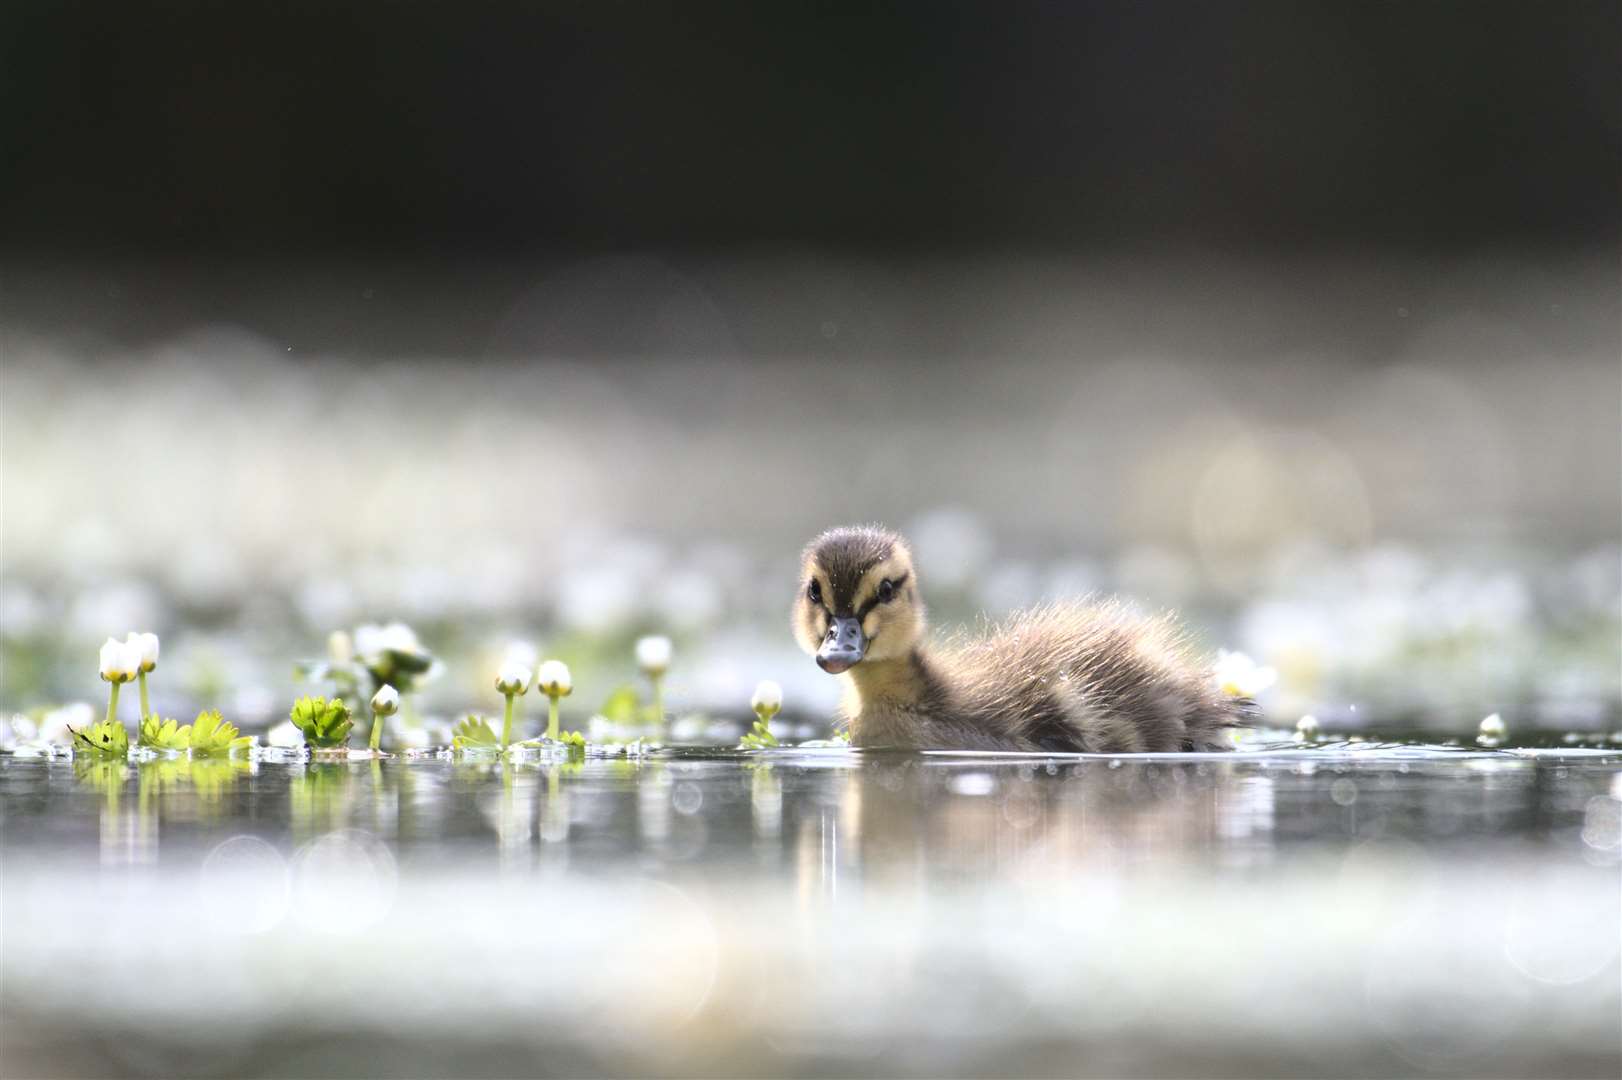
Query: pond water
(1343, 910)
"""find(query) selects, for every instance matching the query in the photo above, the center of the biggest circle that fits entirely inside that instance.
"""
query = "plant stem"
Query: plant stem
(552, 718)
(659, 700)
(377, 730)
(507, 722)
(146, 710)
(112, 702)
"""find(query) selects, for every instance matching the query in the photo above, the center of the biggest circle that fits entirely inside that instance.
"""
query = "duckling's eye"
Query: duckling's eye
(814, 591)
(886, 591)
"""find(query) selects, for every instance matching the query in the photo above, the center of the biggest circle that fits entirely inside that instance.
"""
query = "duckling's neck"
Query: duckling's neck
(886, 696)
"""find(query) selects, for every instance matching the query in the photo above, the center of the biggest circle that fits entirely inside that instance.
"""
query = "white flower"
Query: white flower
(512, 678)
(553, 679)
(340, 648)
(1238, 675)
(146, 646)
(368, 639)
(398, 637)
(1306, 728)
(386, 701)
(768, 698)
(120, 661)
(1493, 731)
(521, 652)
(653, 654)
(373, 640)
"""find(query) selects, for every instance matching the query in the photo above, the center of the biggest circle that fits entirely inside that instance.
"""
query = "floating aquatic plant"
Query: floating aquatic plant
(1240, 676)
(511, 681)
(156, 733)
(107, 737)
(339, 668)
(554, 680)
(392, 655)
(653, 657)
(146, 647)
(1492, 732)
(767, 701)
(474, 733)
(214, 736)
(324, 724)
(120, 663)
(386, 702)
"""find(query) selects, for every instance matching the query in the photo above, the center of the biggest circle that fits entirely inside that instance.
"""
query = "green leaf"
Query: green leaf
(759, 737)
(214, 736)
(622, 706)
(474, 732)
(159, 734)
(324, 723)
(106, 739)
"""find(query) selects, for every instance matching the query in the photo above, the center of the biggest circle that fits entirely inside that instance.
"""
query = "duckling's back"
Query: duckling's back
(1093, 678)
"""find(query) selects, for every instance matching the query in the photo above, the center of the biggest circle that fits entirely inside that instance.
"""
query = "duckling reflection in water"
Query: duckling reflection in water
(1066, 677)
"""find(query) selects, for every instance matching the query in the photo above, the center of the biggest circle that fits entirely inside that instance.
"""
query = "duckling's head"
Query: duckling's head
(858, 598)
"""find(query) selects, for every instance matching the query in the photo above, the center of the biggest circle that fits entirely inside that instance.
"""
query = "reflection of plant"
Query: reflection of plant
(474, 733)
(324, 723)
(214, 736)
(105, 737)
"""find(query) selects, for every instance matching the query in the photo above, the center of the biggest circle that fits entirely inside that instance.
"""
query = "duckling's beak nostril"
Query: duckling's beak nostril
(843, 647)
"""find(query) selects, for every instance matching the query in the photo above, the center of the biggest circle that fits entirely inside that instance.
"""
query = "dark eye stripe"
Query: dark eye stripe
(874, 600)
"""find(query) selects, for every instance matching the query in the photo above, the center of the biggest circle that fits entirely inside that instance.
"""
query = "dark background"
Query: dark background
(340, 128)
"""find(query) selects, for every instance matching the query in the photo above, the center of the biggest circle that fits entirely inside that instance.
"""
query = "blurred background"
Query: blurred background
(563, 323)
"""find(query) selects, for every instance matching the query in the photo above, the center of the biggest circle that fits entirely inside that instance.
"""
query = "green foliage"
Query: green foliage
(159, 734)
(759, 737)
(103, 737)
(474, 732)
(572, 739)
(324, 723)
(622, 706)
(213, 736)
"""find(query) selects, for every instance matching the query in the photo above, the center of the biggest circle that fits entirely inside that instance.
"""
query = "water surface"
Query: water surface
(1351, 910)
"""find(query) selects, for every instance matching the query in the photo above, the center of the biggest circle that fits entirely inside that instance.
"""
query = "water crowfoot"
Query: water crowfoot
(1492, 732)
(553, 680)
(120, 663)
(512, 680)
(653, 657)
(324, 724)
(767, 701)
(386, 702)
(146, 647)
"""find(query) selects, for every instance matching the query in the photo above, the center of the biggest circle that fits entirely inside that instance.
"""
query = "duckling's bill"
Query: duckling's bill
(844, 645)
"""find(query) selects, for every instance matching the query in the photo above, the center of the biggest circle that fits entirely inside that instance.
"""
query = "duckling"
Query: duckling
(1089, 677)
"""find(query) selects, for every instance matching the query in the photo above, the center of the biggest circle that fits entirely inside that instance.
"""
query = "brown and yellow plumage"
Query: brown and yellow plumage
(1090, 677)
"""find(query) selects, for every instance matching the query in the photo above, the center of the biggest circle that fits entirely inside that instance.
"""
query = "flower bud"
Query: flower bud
(768, 699)
(340, 648)
(386, 702)
(512, 678)
(1306, 728)
(119, 661)
(553, 679)
(653, 654)
(146, 648)
(1493, 731)
(1239, 676)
